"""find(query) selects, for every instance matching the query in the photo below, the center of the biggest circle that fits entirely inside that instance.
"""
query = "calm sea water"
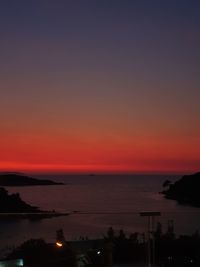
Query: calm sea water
(99, 193)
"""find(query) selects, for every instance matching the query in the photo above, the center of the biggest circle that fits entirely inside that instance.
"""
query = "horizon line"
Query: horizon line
(95, 173)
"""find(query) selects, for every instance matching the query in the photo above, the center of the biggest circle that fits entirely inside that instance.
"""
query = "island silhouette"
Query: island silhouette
(15, 179)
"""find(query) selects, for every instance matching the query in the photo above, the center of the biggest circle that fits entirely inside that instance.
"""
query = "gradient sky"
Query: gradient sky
(100, 85)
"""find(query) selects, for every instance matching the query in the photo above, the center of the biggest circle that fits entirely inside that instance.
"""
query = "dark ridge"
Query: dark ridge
(13, 203)
(13, 207)
(14, 179)
(186, 190)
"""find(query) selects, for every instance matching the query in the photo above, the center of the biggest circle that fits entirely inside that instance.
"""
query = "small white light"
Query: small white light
(98, 252)
(21, 262)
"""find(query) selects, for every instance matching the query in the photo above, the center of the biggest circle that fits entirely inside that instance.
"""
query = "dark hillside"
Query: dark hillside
(186, 190)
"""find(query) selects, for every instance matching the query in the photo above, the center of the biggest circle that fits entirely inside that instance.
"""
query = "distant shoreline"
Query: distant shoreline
(14, 179)
(32, 216)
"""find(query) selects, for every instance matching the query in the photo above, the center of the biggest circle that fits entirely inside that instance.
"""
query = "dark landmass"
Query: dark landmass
(116, 248)
(186, 190)
(12, 206)
(14, 179)
(13, 203)
(36, 252)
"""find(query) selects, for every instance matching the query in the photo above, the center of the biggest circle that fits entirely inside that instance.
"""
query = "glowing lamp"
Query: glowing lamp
(59, 244)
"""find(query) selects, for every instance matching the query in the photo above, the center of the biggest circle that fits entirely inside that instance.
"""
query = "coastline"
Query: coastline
(32, 215)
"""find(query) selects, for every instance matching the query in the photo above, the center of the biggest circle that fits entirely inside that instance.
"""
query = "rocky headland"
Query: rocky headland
(12, 206)
(185, 191)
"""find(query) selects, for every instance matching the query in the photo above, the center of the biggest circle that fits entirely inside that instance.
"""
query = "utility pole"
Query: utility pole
(150, 235)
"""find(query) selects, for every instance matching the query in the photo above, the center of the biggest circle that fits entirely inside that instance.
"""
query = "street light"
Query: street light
(59, 244)
(60, 239)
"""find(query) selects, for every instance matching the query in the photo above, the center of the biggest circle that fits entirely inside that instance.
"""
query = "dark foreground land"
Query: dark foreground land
(186, 190)
(13, 179)
(115, 248)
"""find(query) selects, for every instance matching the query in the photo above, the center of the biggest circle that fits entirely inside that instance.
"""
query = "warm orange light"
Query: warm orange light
(90, 154)
(58, 244)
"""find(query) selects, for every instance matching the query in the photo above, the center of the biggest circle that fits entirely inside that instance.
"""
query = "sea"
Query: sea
(95, 203)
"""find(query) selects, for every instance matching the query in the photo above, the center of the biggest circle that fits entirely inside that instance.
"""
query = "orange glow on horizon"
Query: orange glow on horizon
(145, 167)
(99, 154)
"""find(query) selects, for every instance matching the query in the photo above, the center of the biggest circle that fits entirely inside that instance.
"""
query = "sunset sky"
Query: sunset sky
(100, 86)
